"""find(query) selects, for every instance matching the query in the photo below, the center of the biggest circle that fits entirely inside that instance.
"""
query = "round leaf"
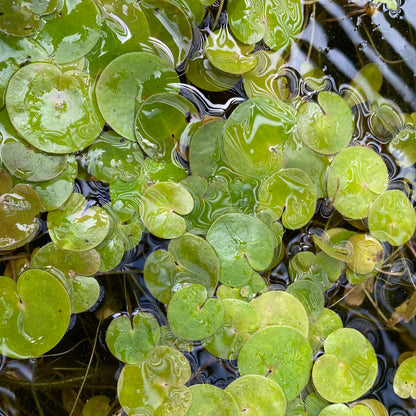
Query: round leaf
(257, 395)
(240, 319)
(77, 228)
(34, 314)
(131, 341)
(355, 178)
(254, 135)
(277, 21)
(281, 308)
(392, 218)
(242, 243)
(73, 32)
(190, 316)
(227, 54)
(156, 384)
(282, 354)
(190, 259)
(112, 157)
(348, 368)
(126, 82)
(403, 146)
(161, 207)
(211, 400)
(19, 209)
(53, 111)
(161, 120)
(326, 127)
(404, 383)
(291, 194)
(30, 164)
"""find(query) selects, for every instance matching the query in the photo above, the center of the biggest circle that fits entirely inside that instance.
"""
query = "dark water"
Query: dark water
(340, 37)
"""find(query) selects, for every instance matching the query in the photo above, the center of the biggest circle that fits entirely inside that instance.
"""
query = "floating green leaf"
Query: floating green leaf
(240, 319)
(266, 79)
(77, 268)
(242, 243)
(348, 368)
(76, 227)
(161, 207)
(211, 200)
(34, 314)
(112, 156)
(96, 406)
(281, 308)
(126, 19)
(191, 316)
(326, 126)
(291, 194)
(160, 122)
(297, 155)
(392, 218)
(311, 296)
(211, 400)
(56, 192)
(205, 154)
(278, 22)
(52, 110)
(366, 253)
(328, 322)
(254, 136)
(257, 395)
(156, 384)
(30, 164)
(282, 354)
(404, 383)
(14, 53)
(19, 210)
(132, 340)
(403, 147)
(200, 72)
(227, 54)
(126, 82)
(22, 18)
(355, 178)
(189, 259)
(71, 33)
(171, 32)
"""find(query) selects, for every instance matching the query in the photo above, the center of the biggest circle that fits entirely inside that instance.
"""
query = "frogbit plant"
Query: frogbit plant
(95, 92)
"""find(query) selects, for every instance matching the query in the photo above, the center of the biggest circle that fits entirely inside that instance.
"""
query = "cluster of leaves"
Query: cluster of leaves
(222, 190)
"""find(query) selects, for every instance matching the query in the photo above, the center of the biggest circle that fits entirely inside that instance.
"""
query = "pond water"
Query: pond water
(339, 37)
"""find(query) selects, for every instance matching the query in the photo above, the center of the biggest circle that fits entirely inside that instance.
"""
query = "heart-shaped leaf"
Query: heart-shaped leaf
(76, 227)
(189, 259)
(131, 341)
(157, 383)
(34, 314)
(161, 207)
(348, 356)
(191, 316)
(282, 354)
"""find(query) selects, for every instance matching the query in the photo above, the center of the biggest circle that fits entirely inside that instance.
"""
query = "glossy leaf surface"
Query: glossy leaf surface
(348, 356)
(156, 384)
(34, 314)
(126, 82)
(291, 194)
(191, 316)
(189, 259)
(132, 340)
(161, 207)
(355, 178)
(280, 352)
(52, 110)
